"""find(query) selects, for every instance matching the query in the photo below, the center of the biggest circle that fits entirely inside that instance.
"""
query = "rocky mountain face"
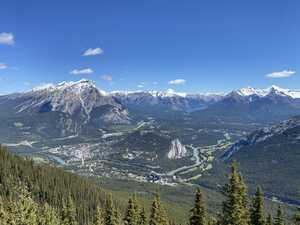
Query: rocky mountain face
(72, 104)
(289, 130)
(177, 150)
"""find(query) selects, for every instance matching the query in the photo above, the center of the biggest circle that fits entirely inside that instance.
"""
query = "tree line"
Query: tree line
(22, 204)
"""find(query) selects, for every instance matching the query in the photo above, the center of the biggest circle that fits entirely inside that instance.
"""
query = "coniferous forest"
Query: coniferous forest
(35, 194)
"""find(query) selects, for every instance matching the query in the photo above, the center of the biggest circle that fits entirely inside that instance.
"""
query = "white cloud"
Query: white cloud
(140, 86)
(7, 38)
(281, 74)
(177, 82)
(93, 51)
(82, 71)
(107, 77)
(3, 66)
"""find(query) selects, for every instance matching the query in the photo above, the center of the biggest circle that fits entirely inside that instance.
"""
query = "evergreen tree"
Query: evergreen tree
(297, 217)
(47, 184)
(69, 212)
(269, 220)
(142, 217)
(244, 197)
(131, 214)
(279, 217)
(157, 215)
(198, 212)
(164, 220)
(98, 219)
(3, 213)
(48, 216)
(118, 216)
(155, 212)
(257, 209)
(235, 209)
(23, 211)
(136, 207)
(212, 221)
(111, 214)
(171, 223)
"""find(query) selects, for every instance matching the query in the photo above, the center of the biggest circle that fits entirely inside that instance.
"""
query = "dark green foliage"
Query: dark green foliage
(111, 214)
(136, 208)
(157, 214)
(212, 221)
(269, 220)
(3, 213)
(48, 216)
(198, 212)
(69, 212)
(142, 217)
(131, 215)
(24, 210)
(99, 217)
(279, 217)
(297, 217)
(48, 184)
(24, 200)
(257, 209)
(235, 210)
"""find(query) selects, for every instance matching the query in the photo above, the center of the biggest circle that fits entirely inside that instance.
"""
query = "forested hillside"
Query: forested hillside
(35, 194)
(47, 184)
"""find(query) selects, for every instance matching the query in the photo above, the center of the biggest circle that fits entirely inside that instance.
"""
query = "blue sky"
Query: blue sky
(204, 45)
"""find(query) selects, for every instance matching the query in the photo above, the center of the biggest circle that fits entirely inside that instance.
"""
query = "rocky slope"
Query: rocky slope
(269, 157)
(289, 130)
(69, 106)
(177, 150)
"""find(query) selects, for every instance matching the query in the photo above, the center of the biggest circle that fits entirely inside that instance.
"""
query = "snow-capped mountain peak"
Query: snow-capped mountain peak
(78, 99)
(251, 91)
(43, 87)
(248, 91)
(76, 87)
(80, 83)
(169, 93)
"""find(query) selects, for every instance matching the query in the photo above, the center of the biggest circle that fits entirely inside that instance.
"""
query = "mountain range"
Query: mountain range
(177, 136)
(72, 108)
(77, 105)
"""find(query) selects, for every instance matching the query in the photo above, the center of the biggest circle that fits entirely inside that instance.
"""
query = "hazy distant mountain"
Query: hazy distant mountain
(253, 105)
(167, 100)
